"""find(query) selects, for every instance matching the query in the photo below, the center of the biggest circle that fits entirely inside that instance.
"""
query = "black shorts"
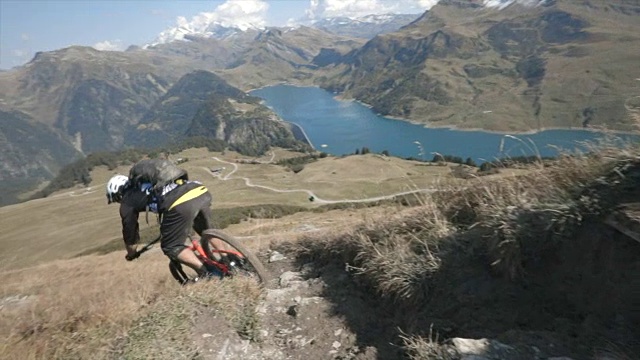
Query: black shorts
(180, 218)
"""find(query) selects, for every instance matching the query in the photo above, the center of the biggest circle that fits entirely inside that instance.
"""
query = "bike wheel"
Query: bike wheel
(248, 265)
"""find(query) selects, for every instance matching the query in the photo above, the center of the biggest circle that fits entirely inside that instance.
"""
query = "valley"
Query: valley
(516, 69)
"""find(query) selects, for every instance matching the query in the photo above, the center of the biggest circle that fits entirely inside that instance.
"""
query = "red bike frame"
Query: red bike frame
(197, 248)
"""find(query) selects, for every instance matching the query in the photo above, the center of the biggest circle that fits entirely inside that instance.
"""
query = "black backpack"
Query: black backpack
(158, 172)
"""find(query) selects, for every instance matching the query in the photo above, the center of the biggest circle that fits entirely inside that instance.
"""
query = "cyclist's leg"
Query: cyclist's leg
(175, 227)
(203, 221)
(188, 258)
(175, 267)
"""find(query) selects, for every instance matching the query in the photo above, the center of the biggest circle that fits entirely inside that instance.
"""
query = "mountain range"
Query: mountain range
(365, 27)
(563, 64)
(506, 67)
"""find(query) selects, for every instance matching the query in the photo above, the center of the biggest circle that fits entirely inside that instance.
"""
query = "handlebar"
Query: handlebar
(144, 249)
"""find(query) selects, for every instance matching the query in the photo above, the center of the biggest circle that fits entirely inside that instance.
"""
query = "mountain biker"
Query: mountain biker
(158, 186)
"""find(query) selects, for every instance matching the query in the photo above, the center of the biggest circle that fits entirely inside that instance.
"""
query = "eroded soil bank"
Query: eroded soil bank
(575, 303)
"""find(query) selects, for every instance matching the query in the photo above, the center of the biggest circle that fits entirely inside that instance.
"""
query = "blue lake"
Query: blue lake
(340, 127)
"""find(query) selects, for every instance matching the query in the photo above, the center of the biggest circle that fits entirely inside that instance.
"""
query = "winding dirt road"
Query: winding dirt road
(310, 193)
(248, 183)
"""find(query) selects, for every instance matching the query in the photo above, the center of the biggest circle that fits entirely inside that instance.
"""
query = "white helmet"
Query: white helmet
(115, 186)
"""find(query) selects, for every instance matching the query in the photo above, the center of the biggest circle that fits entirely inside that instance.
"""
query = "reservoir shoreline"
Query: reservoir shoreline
(339, 97)
(345, 126)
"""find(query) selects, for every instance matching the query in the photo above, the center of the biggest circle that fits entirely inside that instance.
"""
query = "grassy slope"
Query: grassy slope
(72, 221)
(124, 310)
(423, 255)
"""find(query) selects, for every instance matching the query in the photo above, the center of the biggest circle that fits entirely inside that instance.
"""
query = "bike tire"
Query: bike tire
(254, 265)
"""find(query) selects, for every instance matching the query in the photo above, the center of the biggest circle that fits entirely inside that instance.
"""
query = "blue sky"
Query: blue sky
(29, 26)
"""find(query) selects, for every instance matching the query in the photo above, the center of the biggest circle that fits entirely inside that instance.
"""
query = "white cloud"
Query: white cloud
(242, 14)
(319, 9)
(25, 37)
(19, 53)
(427, 3)
(108, 45)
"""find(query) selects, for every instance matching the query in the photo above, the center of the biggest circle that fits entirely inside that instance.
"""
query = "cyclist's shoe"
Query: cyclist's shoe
(209, 272)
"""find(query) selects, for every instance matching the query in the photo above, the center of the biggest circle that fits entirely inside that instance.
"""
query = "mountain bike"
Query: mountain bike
(234, 260)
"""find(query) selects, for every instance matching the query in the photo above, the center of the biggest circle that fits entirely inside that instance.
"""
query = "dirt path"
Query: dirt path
(304, 317)
(319, 312)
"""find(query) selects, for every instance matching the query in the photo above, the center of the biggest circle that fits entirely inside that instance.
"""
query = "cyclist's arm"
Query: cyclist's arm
(130, 228)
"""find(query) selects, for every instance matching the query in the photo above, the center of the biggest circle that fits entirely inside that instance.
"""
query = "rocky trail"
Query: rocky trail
(299, 319)
(319, 312)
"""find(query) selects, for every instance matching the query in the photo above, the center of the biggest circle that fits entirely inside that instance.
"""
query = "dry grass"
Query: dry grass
(290, 227)
(77, 306)
(166, 332)
(513, 219)
(101, 306)
(419, 348)
(527, 214)
(505, 222)
(393, 253)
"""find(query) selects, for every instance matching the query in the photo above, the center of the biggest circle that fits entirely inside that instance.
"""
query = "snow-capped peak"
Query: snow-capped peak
(215, 30)
(368, 19)
(501, 4)
(228, 18)
(377, 18)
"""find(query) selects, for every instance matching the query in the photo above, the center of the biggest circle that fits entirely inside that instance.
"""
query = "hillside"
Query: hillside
(101, 114)
(562, 64)
(505, 266)
(31, 153)
(558, 64)
(284, 55)
(108, 100)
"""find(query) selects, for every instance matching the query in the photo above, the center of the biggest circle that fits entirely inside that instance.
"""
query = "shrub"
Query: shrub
(297, 168)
